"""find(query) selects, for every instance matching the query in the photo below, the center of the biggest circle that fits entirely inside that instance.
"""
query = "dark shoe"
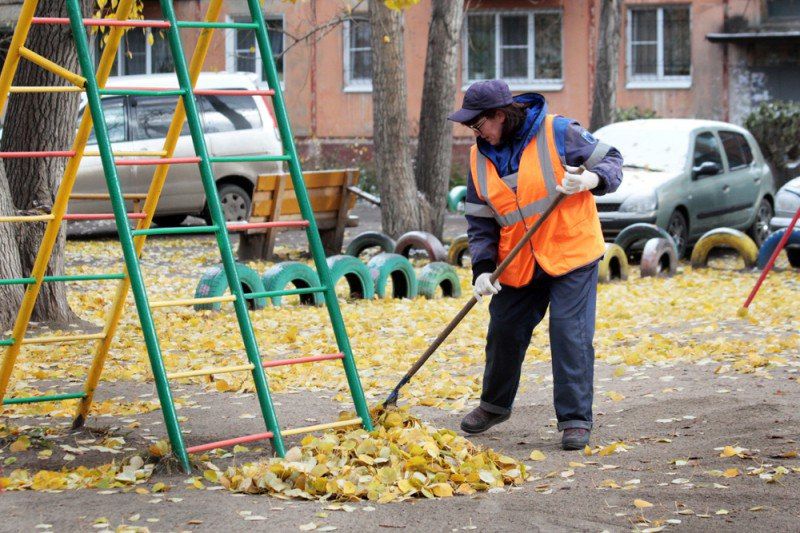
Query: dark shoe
(478, 420)
(575, 438)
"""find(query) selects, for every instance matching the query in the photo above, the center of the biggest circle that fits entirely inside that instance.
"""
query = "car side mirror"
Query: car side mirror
(707, 168)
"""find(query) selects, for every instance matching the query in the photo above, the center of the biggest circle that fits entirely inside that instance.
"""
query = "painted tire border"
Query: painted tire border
(421, 240)
(613, 253)
(724, 238)
(214, 282)
(653, 255)
(280, 275)
(458, 248)
(436, 275)
(357, 274)
(641, 231)
(771, 242)
(368, 239)
(385, 265)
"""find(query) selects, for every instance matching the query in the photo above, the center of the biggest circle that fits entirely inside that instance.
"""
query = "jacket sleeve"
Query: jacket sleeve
(483, 232)
(581, 148)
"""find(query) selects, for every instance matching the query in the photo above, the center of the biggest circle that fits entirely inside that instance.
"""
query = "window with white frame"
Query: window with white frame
(243, 54)
(357, 54)
(522, 47)
(659, 47)
(140, 52)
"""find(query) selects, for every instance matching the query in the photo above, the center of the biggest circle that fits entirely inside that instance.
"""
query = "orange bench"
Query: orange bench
(331, 193)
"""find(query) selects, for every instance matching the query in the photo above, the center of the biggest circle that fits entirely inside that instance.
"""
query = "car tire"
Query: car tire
(658, 259)
(678, 228)
(235, 202)
(759, 231)
(169, 221)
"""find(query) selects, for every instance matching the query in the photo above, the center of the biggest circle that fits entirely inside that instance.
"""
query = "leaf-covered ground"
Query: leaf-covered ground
(696, 409)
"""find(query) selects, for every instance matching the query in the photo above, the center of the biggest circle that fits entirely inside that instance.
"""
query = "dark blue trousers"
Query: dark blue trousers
(515, 312)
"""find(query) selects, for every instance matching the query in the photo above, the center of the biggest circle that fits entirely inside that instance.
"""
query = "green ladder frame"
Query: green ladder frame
(220, 230)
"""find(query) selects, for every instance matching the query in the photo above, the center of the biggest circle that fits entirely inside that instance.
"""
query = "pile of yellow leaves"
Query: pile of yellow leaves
(402, 458)
(131, 472)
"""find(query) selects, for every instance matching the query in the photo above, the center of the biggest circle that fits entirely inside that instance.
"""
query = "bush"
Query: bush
(776, 127)
(633, 113)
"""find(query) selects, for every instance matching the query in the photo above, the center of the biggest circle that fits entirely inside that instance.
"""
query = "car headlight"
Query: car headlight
(640, 203)
(788, 202)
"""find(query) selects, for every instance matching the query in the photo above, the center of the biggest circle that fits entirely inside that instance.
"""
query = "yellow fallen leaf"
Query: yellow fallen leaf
(537, 455)
(21, 444)
(642, 504)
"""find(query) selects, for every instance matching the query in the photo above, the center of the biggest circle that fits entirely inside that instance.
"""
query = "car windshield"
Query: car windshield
(647, 148)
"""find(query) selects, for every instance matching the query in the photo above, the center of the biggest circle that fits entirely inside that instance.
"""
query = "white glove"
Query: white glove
(577, 182)
(484, 287)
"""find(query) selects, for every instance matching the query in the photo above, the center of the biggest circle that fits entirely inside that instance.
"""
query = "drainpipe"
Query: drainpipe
(726, 107)
(313, 74)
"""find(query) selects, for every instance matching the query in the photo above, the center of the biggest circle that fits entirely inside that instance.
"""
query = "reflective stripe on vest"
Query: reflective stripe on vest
(537, 207)
(599, 152)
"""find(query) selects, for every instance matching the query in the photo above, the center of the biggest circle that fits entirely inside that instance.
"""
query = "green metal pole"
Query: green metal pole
(218, 219)
(305, 207)
(126, 240)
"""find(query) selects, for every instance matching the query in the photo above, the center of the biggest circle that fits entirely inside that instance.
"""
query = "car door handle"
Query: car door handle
(726, 188)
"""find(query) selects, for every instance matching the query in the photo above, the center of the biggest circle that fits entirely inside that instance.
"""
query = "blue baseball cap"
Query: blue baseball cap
(481, 96)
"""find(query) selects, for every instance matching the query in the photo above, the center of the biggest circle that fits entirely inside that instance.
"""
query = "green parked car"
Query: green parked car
(688, 176)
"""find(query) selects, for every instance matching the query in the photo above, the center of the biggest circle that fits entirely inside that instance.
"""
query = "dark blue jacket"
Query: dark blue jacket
(574, 145)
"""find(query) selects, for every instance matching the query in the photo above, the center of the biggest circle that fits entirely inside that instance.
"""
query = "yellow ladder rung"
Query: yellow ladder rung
(193, 301)
(63, 338)
(129, 153)
(27, 218)
(329, 425)
(48, 65)
(44, 89)
(209, 371)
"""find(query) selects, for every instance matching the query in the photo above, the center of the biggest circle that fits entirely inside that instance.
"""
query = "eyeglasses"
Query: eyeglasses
(478, 125)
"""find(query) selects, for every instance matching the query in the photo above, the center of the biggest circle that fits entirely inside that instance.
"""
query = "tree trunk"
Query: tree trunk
(43, 121)
(10, 295)
(399, 198)
(604, 102)
(435, 146)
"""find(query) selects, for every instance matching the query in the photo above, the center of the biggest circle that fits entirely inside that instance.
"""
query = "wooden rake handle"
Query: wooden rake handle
(392, 398)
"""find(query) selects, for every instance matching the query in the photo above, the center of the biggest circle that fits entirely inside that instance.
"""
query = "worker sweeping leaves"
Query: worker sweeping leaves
(523, 157)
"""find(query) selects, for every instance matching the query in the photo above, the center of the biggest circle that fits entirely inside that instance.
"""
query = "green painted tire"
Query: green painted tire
(725, 238)
(298, 274)
(370, 239)
(355, 272)
(436, 275)
(385, 266)
(641, 232)
(458, 249)
(613, 265)
(214, 282)
(456, 197)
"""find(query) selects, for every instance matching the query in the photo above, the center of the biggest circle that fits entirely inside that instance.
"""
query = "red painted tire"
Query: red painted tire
(658, 258)
(421, 240)
(458, 249)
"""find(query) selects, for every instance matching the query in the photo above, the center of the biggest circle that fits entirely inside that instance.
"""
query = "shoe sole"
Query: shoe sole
(574, 445)
(473, 431)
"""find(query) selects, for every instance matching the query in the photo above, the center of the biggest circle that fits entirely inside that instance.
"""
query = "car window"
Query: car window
(737, 149)
(114, 110)
(229, 113)
(153, 117)
(706, 148)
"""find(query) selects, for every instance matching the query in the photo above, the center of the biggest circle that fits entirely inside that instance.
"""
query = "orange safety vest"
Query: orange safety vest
(570, 237)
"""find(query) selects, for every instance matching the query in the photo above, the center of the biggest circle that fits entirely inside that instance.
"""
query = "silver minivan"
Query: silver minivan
(687, 176)
(234, 125)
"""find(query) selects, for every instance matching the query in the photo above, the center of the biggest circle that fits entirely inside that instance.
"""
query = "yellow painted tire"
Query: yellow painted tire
(724, 238)
(614, 264)
(658, 258)
(458, 249)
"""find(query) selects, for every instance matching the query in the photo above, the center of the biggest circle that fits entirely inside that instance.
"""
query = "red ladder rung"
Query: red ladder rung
(240, 226)
(229, 442)
(298, 360)
(157, 161)
(104, 22)
(49, 153)
(101, 216)
(234, 92)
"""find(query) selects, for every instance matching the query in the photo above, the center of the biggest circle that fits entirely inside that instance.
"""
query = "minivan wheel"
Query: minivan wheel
(679, 230)
(169, 221)
(235, 203)
(759, 231)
